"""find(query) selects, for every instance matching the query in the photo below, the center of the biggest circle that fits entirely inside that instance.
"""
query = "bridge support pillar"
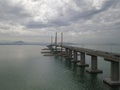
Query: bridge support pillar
(114, 79)
(66, 52)
(56, 48)
(82, 60)
(75, 57)
(61, 51)
(70, 53)
(94, 66)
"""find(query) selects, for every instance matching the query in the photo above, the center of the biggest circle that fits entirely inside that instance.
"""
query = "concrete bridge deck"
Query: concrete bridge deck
(106, 55)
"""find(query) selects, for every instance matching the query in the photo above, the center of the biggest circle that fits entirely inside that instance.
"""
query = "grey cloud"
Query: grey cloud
(90, 13)
(71, 16)
(71, 21)
(56, 23)
(17, 14)
(12, 13)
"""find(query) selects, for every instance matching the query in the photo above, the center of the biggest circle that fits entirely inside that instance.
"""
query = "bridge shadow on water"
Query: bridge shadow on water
(82, 78)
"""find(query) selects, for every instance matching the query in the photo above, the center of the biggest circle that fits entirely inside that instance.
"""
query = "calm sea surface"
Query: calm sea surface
(23, 67)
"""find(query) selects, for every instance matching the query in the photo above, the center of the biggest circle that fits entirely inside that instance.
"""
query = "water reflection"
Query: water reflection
(114, 88)
(74, 68)
(37, 72)
(87, 80)
(68, 63)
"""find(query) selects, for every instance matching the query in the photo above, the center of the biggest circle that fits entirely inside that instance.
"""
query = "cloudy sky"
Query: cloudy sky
(80, 20)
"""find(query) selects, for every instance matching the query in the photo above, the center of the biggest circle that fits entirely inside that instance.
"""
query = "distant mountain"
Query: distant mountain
(43, 43)
(19, 42)
(22, 43)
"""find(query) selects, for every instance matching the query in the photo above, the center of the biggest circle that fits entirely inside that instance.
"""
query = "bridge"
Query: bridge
(72, 53)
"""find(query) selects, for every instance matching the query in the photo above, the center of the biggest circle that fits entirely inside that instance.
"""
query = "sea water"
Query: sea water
(23, 67)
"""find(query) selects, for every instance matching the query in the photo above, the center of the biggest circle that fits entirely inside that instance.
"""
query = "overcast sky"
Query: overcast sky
(80, 20)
